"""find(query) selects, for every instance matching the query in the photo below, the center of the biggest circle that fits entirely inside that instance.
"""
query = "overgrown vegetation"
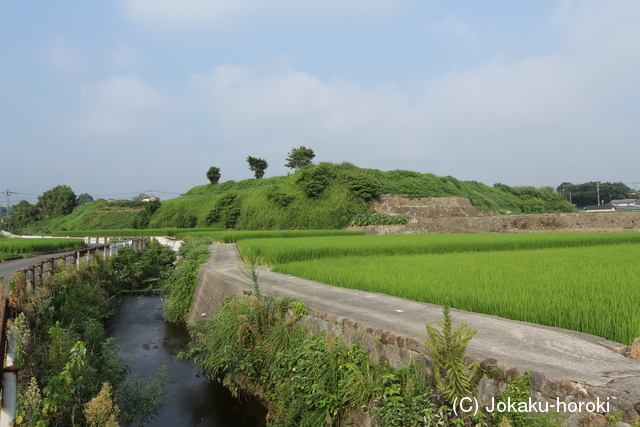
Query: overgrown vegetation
(322, 196)
(180, 288)
(368, 218)
(69, 369)
(255, 345)
(446, 348)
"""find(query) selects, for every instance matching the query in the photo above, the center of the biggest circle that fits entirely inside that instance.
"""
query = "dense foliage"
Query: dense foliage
(323, 196)
(69, 369)
(306, 379)
(180, 287)
(213, 174)
(368, 218)
(258, 166)
(586, 194)
(299, 157)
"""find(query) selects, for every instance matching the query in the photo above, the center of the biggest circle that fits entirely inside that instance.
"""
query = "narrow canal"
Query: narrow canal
(149, 342)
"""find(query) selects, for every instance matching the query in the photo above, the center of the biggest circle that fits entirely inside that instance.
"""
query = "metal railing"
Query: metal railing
(34, 275)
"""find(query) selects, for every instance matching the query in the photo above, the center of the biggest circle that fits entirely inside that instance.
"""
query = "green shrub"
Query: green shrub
(314, 179)
(279, 198)
(231, 215)
(220, 210)
(368, 218)
(180, 287)
(364, 186)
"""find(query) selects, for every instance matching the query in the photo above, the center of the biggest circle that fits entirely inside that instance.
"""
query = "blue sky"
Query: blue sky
(129, 96)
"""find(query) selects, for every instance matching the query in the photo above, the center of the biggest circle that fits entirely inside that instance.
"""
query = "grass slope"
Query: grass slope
(324, 196)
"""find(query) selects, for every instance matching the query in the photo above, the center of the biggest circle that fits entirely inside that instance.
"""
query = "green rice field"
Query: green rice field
(579, 281)
(171, 232)
(272, 252)
(19, 246)
(236, 236)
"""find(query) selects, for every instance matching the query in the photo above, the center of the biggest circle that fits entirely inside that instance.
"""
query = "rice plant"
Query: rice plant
(587, 289)
(236, 236)
(275, 251)
(171, 232)
(18, 246)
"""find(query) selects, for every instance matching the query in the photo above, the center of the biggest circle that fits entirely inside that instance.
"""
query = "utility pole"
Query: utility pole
(598, 189)
(7, 193)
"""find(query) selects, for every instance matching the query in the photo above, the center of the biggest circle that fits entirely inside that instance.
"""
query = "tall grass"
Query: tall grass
(171, 232)
(236, 236)
(275, 251)
(587, 289)
(11, 247)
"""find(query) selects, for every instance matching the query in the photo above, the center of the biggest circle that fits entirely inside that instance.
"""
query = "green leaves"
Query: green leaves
(213, 174)
(446, 349)
(257, 165)
(299, 157)
(315, 179)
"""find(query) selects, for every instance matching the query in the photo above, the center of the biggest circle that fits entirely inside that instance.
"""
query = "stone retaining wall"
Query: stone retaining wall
(398, 351)
(613, 221)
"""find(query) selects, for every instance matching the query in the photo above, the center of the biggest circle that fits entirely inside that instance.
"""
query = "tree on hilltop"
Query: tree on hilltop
(59, 201)
(257, 166)
(84, 198)
(299, 157)
(213, 175)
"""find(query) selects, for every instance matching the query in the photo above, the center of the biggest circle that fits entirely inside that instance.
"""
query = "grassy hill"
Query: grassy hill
(323, 196)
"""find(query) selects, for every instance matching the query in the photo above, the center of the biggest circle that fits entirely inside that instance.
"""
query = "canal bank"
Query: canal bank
(148, 343)
(565, 365)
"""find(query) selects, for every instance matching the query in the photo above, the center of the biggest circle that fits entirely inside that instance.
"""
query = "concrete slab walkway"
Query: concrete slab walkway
(557, 353)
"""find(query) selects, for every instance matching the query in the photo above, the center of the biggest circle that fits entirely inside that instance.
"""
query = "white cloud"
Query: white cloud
(525, 118)
(127, 58)
(456, 27)
(64, 58)
(118, 107)
(289, 108)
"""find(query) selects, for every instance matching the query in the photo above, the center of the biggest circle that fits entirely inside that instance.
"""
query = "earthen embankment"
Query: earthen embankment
(457, 215)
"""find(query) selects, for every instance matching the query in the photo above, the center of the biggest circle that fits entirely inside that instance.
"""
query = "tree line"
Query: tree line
(586, 194)
(56, 202)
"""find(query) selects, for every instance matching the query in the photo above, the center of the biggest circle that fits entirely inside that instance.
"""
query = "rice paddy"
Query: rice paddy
(18, 246)
(171, 232)
(274, 251)
(236, 236)
(582, 282)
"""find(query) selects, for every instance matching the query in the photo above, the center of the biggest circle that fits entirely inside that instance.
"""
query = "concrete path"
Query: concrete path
(558, 353)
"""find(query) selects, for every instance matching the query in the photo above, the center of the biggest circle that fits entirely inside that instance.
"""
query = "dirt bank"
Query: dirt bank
(456, 215)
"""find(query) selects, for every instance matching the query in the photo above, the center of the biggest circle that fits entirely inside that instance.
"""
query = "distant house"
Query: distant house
(635, 208)
(603, 208)
(149, 199)
(624, 202)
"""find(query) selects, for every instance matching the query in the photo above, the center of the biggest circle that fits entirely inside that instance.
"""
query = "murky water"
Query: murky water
(149, 343)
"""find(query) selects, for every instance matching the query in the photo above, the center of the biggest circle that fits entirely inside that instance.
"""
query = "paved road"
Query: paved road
(558, 353)
(8, 268)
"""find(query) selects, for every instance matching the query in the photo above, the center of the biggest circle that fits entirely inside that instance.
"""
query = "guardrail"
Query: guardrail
(33, 278)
